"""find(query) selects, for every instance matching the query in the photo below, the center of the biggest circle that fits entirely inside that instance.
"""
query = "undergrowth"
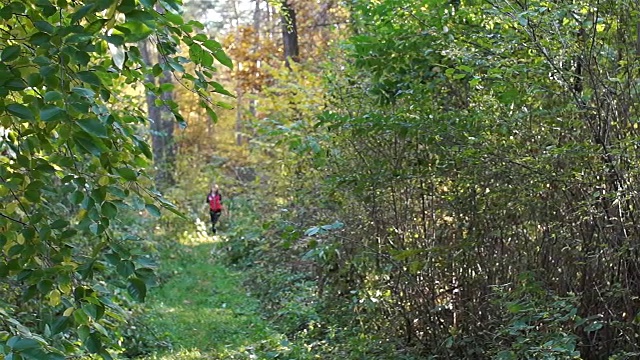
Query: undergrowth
(273, 255)
(201, 310)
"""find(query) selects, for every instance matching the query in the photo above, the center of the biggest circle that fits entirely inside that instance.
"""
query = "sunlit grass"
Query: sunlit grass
(202, 309)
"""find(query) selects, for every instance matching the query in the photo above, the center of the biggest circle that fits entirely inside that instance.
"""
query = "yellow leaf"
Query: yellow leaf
(10, 208)
(54, 298)
(104, 180)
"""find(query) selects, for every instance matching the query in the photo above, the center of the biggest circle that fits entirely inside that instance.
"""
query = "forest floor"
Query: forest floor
(201, 309)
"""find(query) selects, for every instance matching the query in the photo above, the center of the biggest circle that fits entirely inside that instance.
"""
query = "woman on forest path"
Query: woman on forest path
(215, 206)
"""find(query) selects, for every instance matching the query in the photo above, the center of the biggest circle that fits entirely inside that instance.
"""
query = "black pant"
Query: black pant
(215, 215)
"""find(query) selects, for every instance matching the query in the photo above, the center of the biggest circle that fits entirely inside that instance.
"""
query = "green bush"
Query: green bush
(536, 324)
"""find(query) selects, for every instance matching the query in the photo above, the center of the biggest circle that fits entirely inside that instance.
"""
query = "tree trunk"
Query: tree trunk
(238, 128)
(289, 33)
(161, 127)
(257, 22)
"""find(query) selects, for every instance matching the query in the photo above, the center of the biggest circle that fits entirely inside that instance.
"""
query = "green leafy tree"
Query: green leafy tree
(482, 140)
(72, 160)
(467, 143)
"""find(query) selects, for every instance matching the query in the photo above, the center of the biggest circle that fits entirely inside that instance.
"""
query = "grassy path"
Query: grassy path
(204, 312)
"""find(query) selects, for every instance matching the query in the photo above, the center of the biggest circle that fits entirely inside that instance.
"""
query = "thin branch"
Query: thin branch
(14, 220)
(17, 199)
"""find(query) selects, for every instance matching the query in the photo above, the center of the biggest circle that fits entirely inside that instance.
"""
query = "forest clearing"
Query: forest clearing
(319, 179)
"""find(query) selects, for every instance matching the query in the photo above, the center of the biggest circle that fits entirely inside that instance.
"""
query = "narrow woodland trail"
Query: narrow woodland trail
(203, 311)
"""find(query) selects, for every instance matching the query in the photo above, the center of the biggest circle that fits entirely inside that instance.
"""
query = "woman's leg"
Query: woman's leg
(215, 215)
(213, 221)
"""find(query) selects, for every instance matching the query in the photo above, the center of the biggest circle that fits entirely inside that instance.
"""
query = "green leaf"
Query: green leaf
(175, 65)
(59, 224)
(89, 77)
(88, 93)
(156, 70)
(465, 68)
(10, 53)
(82, 12)
(212, 115)
(105, 94)
(146, 150)
(95, 26)
(32, 195)
(93, 343)
(49, 10)
(81, 38)
(93, 126)
(174, 18)
(116, 40)
(88, 144)
(195, 52)
(17, 7)
(506, 355)
(40, 39)
(34, 79)
(20, 344)
(166, 87)
(594, 326)
(51, 113)
(109, 210)
(45, 286)
(15, 250)
(16, 84)
(127, 6)
(44, 27)
(95, 311)
(81, 58)
(134, 32)
(148, 3)
(224, 105)
(60, 325)
(51, 96)
(153, 210)
(54, 356)
(196, 24)
(77, 197)
(175, 211)
(127, 174)
(523, 20)
(206, 59)
(20, 111)
(180, 120)
(80, 317)
(83, 331)
(125, 268)
(137, 289)
(200, 37)
(218, 53)
(212, 45)
(6, 13)
(141, 16)
(220, 89)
